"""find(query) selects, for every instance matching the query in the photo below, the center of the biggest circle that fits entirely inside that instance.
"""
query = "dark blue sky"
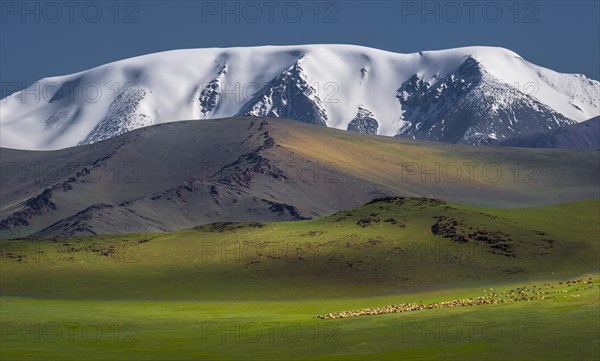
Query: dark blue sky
(40, 39)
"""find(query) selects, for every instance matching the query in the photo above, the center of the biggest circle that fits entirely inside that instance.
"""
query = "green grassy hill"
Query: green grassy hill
(206, 292)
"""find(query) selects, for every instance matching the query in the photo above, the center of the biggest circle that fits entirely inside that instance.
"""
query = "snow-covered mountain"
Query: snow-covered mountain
(466, 95)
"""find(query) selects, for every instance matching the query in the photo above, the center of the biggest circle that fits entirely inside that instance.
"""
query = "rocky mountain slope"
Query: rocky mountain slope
(184, 174)
(585, 135)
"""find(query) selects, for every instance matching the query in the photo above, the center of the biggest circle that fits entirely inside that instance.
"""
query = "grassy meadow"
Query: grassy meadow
(253, 290)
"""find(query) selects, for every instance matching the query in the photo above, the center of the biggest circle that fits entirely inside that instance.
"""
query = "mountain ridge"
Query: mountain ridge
(182, 174)
(325, 84)
(584, 135)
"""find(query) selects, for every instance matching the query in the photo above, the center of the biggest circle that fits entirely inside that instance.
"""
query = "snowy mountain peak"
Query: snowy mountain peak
(493, 91)
(289, 95)
(471, 106)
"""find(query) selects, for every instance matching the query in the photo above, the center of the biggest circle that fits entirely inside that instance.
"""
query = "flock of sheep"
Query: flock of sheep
(514, 295)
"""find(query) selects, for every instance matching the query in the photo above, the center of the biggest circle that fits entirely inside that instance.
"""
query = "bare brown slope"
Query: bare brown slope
(183, 174)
